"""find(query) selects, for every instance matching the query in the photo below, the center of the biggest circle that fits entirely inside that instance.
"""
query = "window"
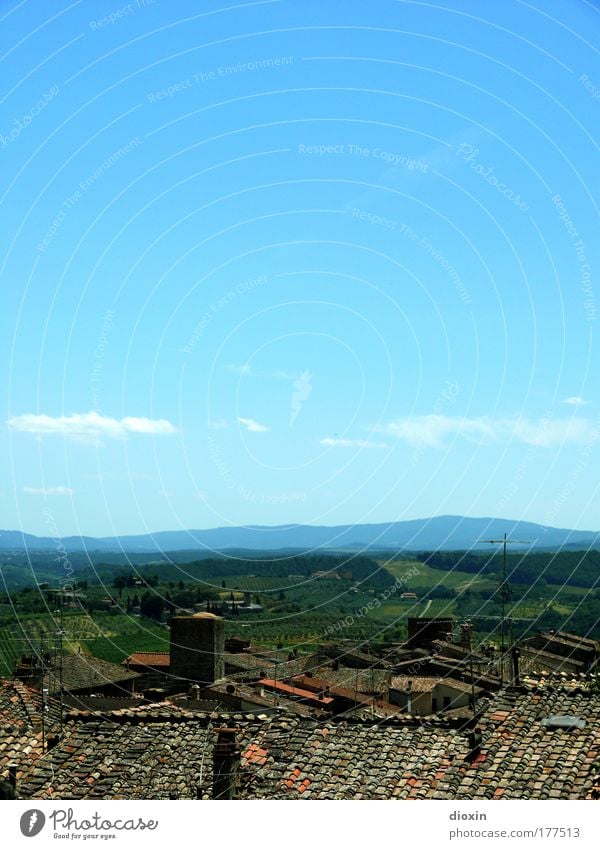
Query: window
(434, 704)
(447, 701)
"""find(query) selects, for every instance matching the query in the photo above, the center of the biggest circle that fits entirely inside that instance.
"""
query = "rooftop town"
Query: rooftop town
(433, 718)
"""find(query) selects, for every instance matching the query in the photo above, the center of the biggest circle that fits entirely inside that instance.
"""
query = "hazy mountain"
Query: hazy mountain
(440, 532)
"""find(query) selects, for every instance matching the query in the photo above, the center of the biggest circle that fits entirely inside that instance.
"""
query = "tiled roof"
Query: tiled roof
(315, 685)
(551, 658)
(245, 662)
(446, 667)
(21, 724)
(425, 684)
(77, 701)
(364, 680)
(254, 701)
(234, 661)
(148, 658)
(84, 672)
(375, 709)
(297, 692)
(162, 753)
(19, 705)
(282, 670)
(461, 686)
(362, 702)
(572, 639)
(405, 684)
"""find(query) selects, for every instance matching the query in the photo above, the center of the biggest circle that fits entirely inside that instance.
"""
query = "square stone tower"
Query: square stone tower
(197, 646)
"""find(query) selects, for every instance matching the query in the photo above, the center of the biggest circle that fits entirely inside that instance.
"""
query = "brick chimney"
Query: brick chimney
(226, 761)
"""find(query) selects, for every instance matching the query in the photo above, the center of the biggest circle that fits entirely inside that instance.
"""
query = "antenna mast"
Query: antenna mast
(60, 665)
(504, 591)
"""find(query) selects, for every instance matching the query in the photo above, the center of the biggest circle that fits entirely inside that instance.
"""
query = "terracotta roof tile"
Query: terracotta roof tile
(148, 658)
(21, 724)
(168, 752)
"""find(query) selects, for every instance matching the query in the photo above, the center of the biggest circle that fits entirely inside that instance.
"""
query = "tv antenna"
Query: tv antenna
(60, 634)
(504, 589)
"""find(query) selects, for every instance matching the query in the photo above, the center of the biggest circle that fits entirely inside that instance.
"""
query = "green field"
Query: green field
(427, 578)
(106, 635)
(21, 637)
(403, 609)
(253, 583)
(297, 611)
(119, 647)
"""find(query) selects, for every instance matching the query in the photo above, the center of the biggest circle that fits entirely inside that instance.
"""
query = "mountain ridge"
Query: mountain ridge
(435, 533)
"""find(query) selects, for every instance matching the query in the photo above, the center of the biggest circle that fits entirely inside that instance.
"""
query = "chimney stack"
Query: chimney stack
(475, 738)
(515, 663)
(466, 634)
(12, 776)
(226, 760)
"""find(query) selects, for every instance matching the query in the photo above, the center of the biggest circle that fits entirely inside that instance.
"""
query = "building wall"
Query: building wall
(150, 677)
(419, 704)
(423, 704)
(443, 691)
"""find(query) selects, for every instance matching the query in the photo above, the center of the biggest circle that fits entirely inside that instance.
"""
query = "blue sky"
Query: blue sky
(298, 262)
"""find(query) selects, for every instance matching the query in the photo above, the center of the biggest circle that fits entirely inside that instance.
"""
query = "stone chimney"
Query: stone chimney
(226, 761)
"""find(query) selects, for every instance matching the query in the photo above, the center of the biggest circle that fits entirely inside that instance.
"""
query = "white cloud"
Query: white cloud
(302, 391)
(89, 425)
(575, 401)
(48, 490)
(333, 442)
(253, 426)
(157, 427)
(219, 424)
(433, 430)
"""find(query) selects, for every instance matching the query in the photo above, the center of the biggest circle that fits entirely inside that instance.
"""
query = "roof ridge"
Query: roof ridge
(25, 695)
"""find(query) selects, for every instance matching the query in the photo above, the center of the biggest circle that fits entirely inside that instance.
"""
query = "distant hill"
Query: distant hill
(442, 533)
